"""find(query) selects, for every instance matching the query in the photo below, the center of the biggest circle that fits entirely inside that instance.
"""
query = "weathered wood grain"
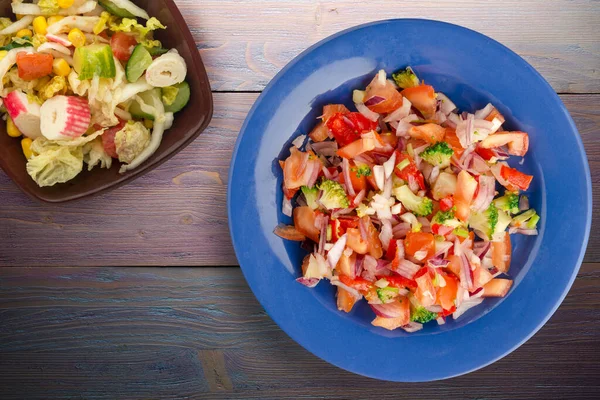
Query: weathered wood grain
(176, 214)
(244, 43)
(183, 332)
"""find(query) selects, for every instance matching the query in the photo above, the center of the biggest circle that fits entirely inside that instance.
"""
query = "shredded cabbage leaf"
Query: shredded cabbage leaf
(94, 154)
(139, 31)
(48, 7)
(5, 39)
(57, 85)
(15, 82)
(57, 165)
(131, 141)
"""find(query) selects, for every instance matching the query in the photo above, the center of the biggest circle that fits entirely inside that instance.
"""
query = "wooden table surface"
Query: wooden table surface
(75, 322)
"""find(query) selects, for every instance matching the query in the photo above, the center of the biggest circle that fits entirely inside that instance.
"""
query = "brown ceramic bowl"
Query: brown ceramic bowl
(189, 122)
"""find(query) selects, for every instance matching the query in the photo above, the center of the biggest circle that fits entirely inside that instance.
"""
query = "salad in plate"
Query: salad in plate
(85, 82)
(397, 203)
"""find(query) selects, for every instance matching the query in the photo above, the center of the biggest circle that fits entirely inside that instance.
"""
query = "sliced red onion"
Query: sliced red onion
(440, 320)
(434, 308)
(466, 305)
(341, 211)
(402, 142)
(401, 230)
(425, 224)
(413, 184)
(412, 327)
(523, 203)
(323, 237)
(374, 100)
(441, 248)
(484, 112)
(286, 207)
(387, 188)
(326, 148)
(301, 200)
(363, 227)
(453, 118)
(390, 310)
(369, 268)
(407, 269)
(328, 175)
(389, 166)
(437, 262)
(379, 174)
(466, 279)
(399, 113)
(308, 282)
(435, 173)
(497, 174)
(400, 253)
(440, 117)
(364, 159)
(314, 169)
(386, 233)
(485, 195)
(299, 141)
(464, 131)
(346, 172)
(350, 290)
(334, 255)
(358, 264)
(481, 248)
(359, 197)
(364, 110)
(446, 105)
(478, 165)
(404, 124)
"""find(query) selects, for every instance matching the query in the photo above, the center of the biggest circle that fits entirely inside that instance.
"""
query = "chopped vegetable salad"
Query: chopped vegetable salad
(397, 202)
(86, 82)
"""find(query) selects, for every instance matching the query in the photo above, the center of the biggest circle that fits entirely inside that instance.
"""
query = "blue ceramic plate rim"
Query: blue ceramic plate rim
(456, 367)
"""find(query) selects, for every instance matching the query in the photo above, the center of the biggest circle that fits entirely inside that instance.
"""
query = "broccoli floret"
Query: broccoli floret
(406, 78)
(446, 218)
(311, 195)
(387, 293)
(438, 154)
(420, 206)
(528, 219)
(333, 196)
(422, 315)
(509, 202)
(362, 170)
(485, 222)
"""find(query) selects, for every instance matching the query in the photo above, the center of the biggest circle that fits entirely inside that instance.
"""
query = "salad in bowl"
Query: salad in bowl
(407, 203)
(85, 84)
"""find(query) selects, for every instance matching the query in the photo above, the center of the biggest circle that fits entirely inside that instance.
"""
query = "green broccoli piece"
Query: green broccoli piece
(509, 202)
(528, 219)
(387, 293)
(442, 216)
(333, 196)
(438, 154)
(422, 315)
(363, 170)
(311, 195)
(485, 222)
(420, 206)
(406, 78)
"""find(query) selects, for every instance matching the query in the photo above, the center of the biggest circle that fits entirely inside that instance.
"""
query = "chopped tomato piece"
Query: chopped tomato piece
(356, 148)
(33, 66)
(481, 276)
(501, 253)
(319, 133)
(375, 248)
(466, 186)
(454, 265)
(358, 182)
(403, 308)
(288, 232)
(122, 45)
(515, 177)
(425, 293)
(416, 242)
(400, 282)
(486, 154)
(358, 283)
(356, 242)
(345, 300)
(497, 287)
(447, 203)
(495, 114)
(518, 142)
(431, 133)
(346, 128)
(388, 92)
(108, 139)
(422, 97)
(409, 170)
(453, 142)
(331, 109)
(304, 221)
(389, 139)
(447, 294)
(441, 230)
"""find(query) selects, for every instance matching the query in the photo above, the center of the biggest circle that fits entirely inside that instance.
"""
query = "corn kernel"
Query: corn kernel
(65, 3)
(60, 67)
(54, 19)
(76, 37)
(40, 25)
(26, 146)
(3, 54)
(41, 82)
(148, 123)
(24, 32)
(11, 128)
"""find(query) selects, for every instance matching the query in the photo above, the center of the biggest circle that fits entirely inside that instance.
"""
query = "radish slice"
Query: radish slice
(65, 117)
(61, 39)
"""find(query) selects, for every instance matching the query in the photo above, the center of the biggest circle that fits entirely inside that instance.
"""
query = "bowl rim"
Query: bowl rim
(581, 150)
(199, 69)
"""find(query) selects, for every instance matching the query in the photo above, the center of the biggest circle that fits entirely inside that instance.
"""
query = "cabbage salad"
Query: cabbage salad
(397, 202)
(85, 82)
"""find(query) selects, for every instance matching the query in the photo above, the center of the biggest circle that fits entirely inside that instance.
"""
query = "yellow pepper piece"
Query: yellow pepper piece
(76, 37)
(11, 128)
(60, 67)
(54, 19)
(40, 25)
(65, 3)
(148, 123)
(26, 146)
(3, 54)
(24, 32)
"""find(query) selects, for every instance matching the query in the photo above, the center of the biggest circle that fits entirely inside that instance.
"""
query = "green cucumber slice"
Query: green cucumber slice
(182, 98)
(138, 62)
(136, 110)
(111, 8)
(156, 51)
(94, 60)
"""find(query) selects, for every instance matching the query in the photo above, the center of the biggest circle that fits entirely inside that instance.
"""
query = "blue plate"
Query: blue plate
(472, 70)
